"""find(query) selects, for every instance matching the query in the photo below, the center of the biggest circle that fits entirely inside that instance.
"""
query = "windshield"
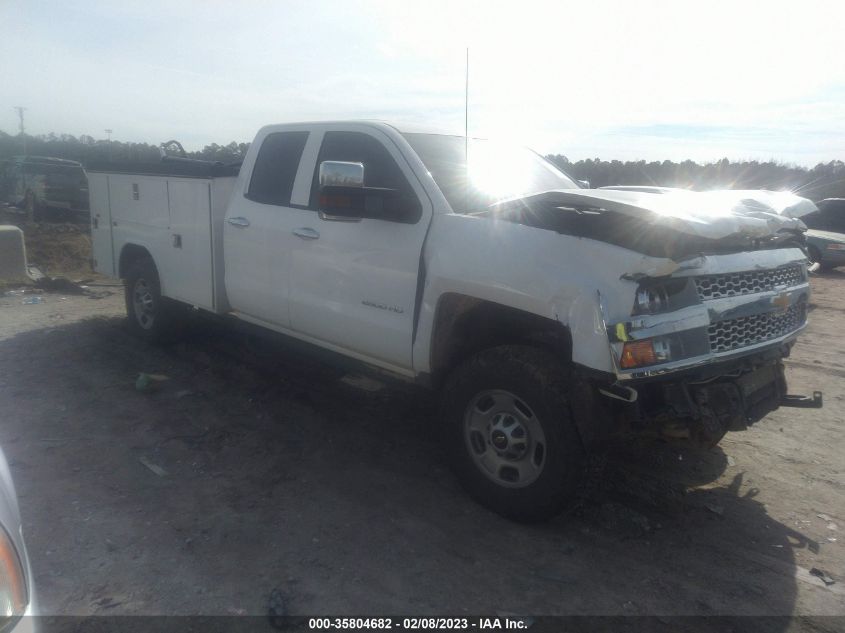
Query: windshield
(496, 171)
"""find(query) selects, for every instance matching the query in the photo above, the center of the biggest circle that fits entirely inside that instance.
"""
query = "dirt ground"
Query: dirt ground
(251, 469)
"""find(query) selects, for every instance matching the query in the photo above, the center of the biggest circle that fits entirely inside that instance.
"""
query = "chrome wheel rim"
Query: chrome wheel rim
(143, 303)
(505, 439)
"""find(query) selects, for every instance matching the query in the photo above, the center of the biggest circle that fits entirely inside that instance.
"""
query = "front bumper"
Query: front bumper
(696, 405)
(701, 408)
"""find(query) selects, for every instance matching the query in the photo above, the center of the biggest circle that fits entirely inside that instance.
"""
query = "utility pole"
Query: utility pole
(108, 131)
(21, 110)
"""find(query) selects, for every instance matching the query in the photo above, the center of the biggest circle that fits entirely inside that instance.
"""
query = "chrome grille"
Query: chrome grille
(750, 282)
(758, 328)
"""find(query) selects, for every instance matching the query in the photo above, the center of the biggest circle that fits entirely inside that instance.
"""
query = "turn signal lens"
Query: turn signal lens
(13, 598)
(648, 352)
(637, 354)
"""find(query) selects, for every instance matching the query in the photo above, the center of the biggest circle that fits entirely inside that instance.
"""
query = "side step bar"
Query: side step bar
(804, 402)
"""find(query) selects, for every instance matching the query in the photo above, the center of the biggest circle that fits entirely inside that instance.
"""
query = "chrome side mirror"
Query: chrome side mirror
(585, 184)
(335, 173)
(342, 195)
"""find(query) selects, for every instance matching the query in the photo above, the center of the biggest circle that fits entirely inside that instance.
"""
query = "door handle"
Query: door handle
(307, 233)
(239, 221)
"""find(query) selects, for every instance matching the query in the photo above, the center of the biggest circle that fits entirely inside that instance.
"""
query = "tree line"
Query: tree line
(86, 149)
(825, 180)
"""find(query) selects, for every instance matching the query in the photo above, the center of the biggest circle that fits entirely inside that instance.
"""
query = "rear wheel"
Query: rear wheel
(151, 316)
(513, 442)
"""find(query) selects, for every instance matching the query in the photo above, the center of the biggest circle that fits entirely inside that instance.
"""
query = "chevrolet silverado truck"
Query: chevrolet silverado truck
(550, 319)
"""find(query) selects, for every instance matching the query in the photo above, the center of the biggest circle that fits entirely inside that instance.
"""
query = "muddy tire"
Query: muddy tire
(511, 437)
(151, 317)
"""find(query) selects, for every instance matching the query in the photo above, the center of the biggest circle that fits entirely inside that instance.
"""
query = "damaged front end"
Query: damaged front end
(710, 313)
(718, 304)
(703, 348)
(701, 410)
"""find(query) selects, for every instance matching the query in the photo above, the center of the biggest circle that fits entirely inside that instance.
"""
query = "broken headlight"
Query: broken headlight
(650, 300)
(654, 297)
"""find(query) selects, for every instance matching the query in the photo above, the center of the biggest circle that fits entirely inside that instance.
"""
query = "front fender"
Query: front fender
(575, 281)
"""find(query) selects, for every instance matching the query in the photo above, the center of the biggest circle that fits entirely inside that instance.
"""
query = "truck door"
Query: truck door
(256, 236)
(188, 257)
(354, 284)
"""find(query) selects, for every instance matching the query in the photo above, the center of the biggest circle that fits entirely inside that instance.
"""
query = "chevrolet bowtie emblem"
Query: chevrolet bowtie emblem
(782, 301)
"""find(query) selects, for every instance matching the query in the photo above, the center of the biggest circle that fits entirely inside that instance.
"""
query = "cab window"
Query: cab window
(275, 168)
(380, 170)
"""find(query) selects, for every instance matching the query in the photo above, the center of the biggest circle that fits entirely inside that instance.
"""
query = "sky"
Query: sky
(618, 79)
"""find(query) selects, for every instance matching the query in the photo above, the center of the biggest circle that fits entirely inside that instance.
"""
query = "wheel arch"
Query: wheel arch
(464, 325)
(129, 254)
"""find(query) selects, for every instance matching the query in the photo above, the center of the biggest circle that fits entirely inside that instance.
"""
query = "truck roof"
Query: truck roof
(402, 128)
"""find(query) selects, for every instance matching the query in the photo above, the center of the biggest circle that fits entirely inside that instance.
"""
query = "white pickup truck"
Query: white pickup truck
(550, 318)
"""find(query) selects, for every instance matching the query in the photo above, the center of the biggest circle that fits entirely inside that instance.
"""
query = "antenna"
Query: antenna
(466, 111)
(466, 136)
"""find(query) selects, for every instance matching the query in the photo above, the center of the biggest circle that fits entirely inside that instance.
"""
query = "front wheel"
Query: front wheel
(512, 440)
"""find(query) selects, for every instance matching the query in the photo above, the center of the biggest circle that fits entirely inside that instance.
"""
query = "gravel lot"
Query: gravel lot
(250, 469)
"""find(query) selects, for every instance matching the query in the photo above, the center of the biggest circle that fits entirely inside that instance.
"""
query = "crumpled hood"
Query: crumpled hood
(674, 223)
(709, 214)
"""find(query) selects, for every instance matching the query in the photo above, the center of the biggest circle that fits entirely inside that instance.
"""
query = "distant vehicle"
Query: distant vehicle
(17, 598)
(826, 237)
(45, 188)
